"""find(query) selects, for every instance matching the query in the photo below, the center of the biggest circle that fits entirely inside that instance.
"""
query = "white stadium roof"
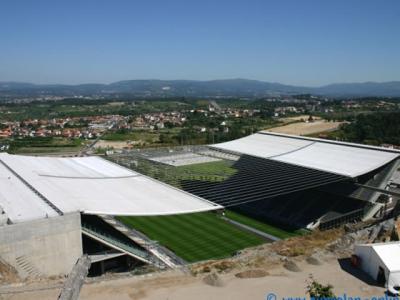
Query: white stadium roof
(88, 184)
(346, 159)
(389, 254)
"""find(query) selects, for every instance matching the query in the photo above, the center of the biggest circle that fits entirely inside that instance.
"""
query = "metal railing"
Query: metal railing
(116, 242)
(148, 244)
(355, 215)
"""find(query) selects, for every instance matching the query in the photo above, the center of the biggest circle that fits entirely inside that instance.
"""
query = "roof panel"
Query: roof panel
(389, 254)
(262, 145)
(345, 160)
(93, 185)
(348, 160)
(18, 200)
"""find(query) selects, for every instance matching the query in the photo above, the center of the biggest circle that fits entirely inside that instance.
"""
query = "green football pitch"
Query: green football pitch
(194, 237)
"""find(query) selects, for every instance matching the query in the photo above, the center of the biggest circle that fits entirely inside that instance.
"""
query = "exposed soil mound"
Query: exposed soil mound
(7, 273)
(312, 260)
(222, 266)
(213, 280)
(257, 273)
(291, 266)
(305, 245)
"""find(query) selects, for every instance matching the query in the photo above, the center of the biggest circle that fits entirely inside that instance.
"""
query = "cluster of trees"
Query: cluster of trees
(217, 129)
(80, 124)
(189, 136)
(373, 129)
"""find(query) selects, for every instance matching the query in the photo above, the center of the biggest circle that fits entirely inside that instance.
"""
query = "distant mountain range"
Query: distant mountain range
(211, 88)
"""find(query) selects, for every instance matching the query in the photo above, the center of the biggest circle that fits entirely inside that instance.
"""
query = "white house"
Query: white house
(382, 262)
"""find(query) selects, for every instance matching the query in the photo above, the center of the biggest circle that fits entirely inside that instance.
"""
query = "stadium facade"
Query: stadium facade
(47, 204)
(308, 182)
(53, 210)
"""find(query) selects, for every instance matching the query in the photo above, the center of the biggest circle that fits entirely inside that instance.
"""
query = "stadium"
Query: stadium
(165, 208)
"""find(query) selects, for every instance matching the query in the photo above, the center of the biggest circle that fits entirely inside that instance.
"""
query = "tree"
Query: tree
(169, 125)
(317, 290)
(165, 139)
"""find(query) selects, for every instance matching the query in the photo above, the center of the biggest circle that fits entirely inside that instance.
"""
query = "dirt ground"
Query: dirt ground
(297, 118)
(174, 285)
(282, 268)
(303, 128)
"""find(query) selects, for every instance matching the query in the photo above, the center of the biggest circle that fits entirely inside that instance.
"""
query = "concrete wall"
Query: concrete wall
(370, 261)
(46, 247)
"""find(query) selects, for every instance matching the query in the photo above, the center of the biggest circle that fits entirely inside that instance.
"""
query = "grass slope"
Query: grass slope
(194, 237)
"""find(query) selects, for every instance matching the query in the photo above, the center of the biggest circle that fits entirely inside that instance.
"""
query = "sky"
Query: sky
(299, 42)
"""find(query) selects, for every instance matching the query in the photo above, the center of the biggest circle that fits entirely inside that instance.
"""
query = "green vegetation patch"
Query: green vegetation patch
(116, 136)
(371, 129)
(195, 237)
(44, 144)
(211, 168)
(147, 138)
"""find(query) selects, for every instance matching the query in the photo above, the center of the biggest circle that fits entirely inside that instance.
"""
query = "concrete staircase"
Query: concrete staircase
(25, 269)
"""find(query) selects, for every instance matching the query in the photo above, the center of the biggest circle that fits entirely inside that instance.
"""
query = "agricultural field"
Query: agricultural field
(304, 128)
(195, 237)
(143, 135)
